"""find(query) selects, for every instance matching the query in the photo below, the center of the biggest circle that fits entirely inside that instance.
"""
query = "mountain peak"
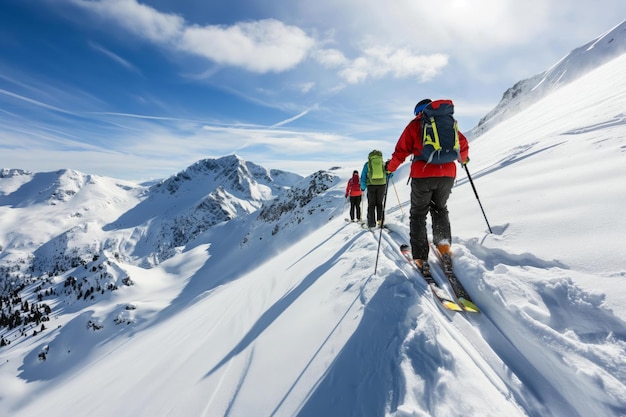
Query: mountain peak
(10, 172)
(577, 63)
(243, 179)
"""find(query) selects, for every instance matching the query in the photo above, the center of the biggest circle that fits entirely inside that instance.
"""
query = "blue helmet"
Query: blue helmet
(421, 105)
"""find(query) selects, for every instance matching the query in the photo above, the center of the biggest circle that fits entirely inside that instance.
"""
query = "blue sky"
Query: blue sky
(141, 90)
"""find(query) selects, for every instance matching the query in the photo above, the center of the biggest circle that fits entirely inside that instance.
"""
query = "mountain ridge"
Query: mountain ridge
(572, 66)
(82, 221)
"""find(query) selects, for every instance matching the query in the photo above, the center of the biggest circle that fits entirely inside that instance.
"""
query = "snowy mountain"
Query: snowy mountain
(187, 204)
(577, 63)
(58, 225)
(230, 290)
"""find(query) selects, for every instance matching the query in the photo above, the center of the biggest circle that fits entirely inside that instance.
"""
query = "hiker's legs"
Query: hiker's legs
(352, 209)
(439, 210)
(380, 197)
(420, 204)
(355, 208)
(371, 206)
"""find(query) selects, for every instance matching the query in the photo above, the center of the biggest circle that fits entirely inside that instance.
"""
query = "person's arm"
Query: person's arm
(404, 147)
(364, 177)
(464, 144)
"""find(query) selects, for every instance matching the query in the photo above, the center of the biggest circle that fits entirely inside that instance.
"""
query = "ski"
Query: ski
(375, 229)
(461, 295)
(361, 223)
(440, 295)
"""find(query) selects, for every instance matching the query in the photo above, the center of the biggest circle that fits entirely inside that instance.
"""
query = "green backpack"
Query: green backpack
(375, 168)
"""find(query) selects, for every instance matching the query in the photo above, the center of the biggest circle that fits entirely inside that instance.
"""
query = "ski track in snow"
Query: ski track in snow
(461, 328)
(484, 337)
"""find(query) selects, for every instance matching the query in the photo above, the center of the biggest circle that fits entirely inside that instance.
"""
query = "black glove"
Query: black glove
(386, 163)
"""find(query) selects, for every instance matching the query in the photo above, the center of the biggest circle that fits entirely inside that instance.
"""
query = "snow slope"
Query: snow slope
(280, 313)
(572, 66)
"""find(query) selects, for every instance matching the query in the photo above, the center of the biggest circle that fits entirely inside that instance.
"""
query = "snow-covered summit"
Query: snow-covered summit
(183, 206)
(241, 178)
(53, 221)
(577, 63)
(12, 172)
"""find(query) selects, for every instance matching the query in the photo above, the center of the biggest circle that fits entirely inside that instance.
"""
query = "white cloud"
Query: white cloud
(331, 58)
(138, 18)
(381, 61)
(259, 46)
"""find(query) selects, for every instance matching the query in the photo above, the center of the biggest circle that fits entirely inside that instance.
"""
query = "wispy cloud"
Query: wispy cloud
(144, 146)
(296, 117)
(381, 61)
(306, 87)
(115, 57)
(33, 101)
(142, 20)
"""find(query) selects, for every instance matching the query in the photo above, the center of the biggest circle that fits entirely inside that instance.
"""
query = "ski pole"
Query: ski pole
(397, 196)
(382, 223)
(477, 198)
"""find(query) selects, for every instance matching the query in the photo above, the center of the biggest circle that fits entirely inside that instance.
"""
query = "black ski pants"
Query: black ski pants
(429, 195)
(375, 199)
(355, 207)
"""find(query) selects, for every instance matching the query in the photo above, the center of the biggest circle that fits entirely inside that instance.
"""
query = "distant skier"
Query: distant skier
(353, 191)
(431, 183)
(374, 178)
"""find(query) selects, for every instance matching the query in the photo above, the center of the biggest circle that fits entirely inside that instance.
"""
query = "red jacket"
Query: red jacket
(354, 187)
(410, 143)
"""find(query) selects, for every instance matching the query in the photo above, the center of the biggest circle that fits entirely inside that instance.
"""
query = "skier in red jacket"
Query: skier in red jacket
(353, 190)
(431, 185)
